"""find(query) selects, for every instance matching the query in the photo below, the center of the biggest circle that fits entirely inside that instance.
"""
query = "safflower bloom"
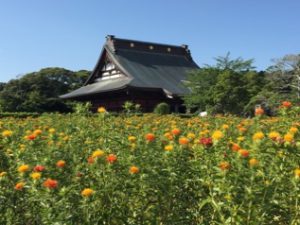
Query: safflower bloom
(259, 111)
(37, 132)
(183, 141)
(51, 130)
(207, 142)
(60, 163)
(224, 165)
(87, 192)
(90, 160)
(244, 153)
(111, 158)
(258, 136)
(286, 104)
(176, 131)
(288, 137)
(168, 148)
(217, 135)
(150, 137)
(23, 168)
(132, 139)
(30, 137)
(7, 133)
(98, 153)
(297, 173)
(2, 174)
(235, 147)
(225, 126)
(191, 136)
(253, 162)
(293, 130)
(274, 135)
(36, 175)
(101, 110)
(50, 183)
(134, 170)
(39, 168)
(19, 186)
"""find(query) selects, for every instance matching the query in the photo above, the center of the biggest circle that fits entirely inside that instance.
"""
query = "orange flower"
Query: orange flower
(90, 160)
(183, 141)
(50, 183)
(101, 110)
(259, 111)
(23, 168)
(87, 192)
(60, 163)
(176, 131)
(30, 137)
(286, 104)
(37, 132)
(134, 170)
(224, 165)
(111, 158)
(253, 162)
(244, 153)
(150, 137)
(19, 186)
(235, 147)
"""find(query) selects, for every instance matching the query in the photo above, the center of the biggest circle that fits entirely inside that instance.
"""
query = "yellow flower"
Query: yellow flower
(23, 168)
(97, 153)
(274, 135)
(2, 174)
(241, 138)
(51, 130)
(36, 175)
(87, 192)
(101, 110)
(217, 135)
(132, 139)
(191, 136)
(258, 136)
(297, 173)
(293, 130)
(288, 137)
(7, 133)
(168, 148)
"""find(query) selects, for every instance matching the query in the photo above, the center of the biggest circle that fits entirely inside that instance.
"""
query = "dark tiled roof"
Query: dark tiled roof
(146, 65)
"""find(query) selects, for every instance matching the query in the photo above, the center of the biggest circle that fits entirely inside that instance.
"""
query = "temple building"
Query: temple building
(141, 72)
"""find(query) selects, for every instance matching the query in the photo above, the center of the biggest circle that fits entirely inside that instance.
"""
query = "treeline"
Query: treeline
(39, 91)
(233, 86)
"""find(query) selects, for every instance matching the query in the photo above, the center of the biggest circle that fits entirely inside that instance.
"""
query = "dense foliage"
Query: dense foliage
(39, 91)
(233, 86)
(72, 169)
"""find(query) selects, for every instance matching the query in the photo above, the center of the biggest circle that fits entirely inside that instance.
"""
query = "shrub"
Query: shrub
(162, 109)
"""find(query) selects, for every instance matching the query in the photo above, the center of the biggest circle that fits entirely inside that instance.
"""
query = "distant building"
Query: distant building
(142, 72)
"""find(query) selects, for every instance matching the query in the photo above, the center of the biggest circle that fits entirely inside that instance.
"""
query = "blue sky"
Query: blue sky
(70, 33)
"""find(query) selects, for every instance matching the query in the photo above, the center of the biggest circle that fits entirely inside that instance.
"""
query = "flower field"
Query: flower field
(73, 169)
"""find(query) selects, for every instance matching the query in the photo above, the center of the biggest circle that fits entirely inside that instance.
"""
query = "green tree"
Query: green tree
(201, 83)
(39, 91)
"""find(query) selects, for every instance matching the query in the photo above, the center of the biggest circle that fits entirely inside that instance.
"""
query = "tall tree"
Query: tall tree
(39, 91)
